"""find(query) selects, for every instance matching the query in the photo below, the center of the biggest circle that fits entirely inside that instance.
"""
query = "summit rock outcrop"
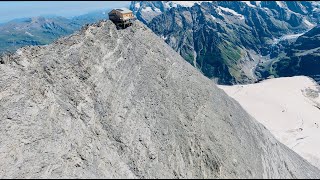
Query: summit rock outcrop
(108, 103)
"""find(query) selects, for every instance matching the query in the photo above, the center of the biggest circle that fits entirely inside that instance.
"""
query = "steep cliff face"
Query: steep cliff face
(107, 103)
(226, 40)
(299, 57)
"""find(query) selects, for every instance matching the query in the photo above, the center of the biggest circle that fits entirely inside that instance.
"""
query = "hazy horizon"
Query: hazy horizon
(10, 10)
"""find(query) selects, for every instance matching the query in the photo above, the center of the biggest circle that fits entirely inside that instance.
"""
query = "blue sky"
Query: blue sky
(19, 9)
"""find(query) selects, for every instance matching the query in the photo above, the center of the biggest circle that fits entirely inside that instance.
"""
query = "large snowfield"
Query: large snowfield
(289, 107)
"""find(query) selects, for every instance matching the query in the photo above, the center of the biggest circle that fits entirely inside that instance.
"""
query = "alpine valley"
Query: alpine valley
(42, 30)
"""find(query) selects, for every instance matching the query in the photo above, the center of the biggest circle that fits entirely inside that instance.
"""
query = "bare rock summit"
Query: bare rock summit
(108, 103)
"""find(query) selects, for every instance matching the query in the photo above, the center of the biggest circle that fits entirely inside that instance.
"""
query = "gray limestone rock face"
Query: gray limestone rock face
(107, 103)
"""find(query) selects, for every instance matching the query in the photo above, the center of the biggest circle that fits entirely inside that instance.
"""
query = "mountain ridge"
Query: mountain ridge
(226, 40)
(115, 103)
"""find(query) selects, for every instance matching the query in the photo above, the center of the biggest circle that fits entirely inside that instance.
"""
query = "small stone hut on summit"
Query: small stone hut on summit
(121, 17)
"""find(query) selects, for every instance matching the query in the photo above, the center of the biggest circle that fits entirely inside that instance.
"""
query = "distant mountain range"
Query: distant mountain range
(235, 42)
(299, 57)
(227, 41)
(42, 30)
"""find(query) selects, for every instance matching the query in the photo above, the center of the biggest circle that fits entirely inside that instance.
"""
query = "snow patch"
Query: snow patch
(172, 4)
(219, 12)
(137, 5)
(189, 3)
(279, 3)
(316, 6)
(186, 3)
(308, 23)
(258, 3)
(157, 10)
(249, 3)
(266, 8)
(232, 12)
(286, 37)
(19, 52)
(291, 36)
(214, 18)
(29, 33)
(147, 9)
(163, 37)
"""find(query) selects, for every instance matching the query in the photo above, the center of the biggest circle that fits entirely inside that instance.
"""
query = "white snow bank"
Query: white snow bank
(308, 23)
(29, 33)
(170, 4)
(249, 3)
(157, 10)
(147, 9)
(188, 3)
(231, 11)
(137, 5)
(258, 3)
(285, 108)
(279, 3)
(287, 37)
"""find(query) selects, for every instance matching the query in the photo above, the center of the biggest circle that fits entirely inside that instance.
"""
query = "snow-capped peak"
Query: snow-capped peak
(249, 4)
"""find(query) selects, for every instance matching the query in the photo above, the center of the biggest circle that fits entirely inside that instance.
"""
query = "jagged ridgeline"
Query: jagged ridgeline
(108, 103)
(226, 40)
